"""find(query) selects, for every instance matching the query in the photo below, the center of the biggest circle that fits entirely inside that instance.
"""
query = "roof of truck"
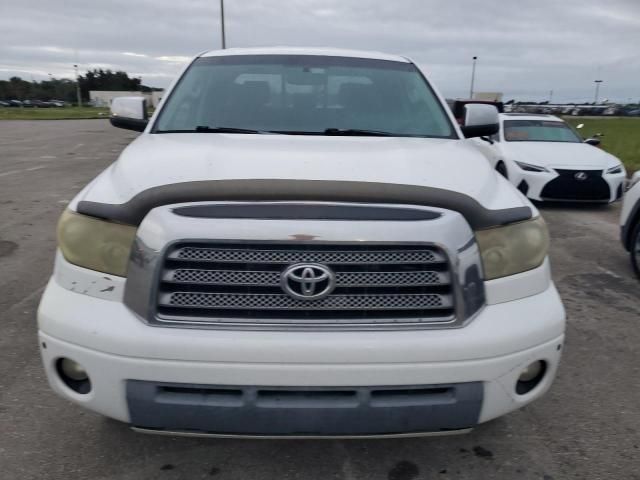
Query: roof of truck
(333, 52)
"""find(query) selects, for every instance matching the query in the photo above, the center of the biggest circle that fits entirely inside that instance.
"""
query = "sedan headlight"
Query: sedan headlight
(513, 248)
(616, 169)
(527, 167)
(95, 244)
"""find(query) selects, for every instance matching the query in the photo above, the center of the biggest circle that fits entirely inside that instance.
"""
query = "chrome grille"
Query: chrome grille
(239, 284)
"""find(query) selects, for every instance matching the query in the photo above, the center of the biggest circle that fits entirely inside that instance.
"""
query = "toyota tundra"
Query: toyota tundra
(301, 243)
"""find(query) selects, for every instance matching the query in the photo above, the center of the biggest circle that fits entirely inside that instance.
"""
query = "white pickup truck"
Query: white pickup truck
(301, 243)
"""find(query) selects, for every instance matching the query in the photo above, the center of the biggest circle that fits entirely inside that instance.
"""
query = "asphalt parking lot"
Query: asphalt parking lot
(586, 427)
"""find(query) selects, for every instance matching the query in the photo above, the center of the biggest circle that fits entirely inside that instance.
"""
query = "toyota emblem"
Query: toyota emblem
(580, 176)
(308, 281)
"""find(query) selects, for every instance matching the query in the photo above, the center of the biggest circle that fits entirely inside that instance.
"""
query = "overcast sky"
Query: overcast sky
(525, 48)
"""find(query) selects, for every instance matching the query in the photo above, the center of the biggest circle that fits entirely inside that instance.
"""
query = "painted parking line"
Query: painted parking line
(14, 172)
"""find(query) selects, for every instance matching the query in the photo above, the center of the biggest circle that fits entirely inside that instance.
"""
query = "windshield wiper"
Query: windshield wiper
(207, 129)
(356, 132)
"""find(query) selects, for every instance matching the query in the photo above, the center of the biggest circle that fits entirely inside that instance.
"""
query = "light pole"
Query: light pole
(597, 82)
(473, 77)
(75, 67)
(224, 40)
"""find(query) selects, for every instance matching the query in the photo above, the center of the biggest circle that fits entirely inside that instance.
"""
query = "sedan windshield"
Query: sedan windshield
(304, 95)
(539, 131)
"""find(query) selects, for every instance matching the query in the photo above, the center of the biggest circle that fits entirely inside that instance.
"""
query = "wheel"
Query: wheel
(501, 168)
(635, 249)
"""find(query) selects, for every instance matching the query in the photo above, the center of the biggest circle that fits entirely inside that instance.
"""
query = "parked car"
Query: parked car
(36, 104)
(15, 103)
(3, 103)
(548, 160)
(630, 222)
(301, 242)
(57, 103)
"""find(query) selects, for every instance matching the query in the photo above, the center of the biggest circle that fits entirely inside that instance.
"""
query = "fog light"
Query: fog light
(531, 372)
(530, 377)
(73, 375)
(73, 370)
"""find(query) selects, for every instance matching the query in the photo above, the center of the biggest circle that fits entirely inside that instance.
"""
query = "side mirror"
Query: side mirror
(593, 141)
(129, 113)
(480, 120)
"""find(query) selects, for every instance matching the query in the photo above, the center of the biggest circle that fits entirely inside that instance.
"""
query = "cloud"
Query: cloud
(324, 12)
(132, 54)
(174, 58)
(525, 49)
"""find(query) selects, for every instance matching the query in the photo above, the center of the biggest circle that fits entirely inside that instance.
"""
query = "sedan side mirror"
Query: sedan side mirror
(480, 120)
(593, 141)
(129, 113)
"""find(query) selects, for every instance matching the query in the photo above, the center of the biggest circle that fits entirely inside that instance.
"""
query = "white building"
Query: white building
(488, 96)
(103, 98)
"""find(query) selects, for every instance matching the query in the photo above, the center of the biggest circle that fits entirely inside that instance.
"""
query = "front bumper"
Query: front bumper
(548, 186)
(311, 411)
(115, 347)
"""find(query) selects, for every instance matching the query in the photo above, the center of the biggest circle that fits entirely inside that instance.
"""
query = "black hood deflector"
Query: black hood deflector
(134, 211)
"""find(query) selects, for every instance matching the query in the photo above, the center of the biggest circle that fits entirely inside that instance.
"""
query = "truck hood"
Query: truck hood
(154, 160)
(559, 154)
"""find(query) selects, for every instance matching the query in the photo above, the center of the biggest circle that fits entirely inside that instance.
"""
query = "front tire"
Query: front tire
(634, 245)
(501, 168)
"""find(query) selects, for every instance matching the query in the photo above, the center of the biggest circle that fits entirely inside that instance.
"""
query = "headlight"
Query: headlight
(616, 169)
(95, 244)
(513, 248)
(527, 167)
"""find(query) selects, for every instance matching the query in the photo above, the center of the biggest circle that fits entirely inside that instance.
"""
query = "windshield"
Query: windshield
(304, 94)
(538, 131)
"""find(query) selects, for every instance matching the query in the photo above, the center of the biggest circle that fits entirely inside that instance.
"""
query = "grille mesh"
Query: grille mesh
(566, 187)
(222, 277)
(285, 256)
(225, 277)
(240, 283)
(280, 302)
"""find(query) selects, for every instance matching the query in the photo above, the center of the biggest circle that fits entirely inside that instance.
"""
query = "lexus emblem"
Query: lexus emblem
(580, 176)
(308, 281)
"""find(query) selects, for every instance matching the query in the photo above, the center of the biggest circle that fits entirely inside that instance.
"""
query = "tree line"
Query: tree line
(65, 89)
